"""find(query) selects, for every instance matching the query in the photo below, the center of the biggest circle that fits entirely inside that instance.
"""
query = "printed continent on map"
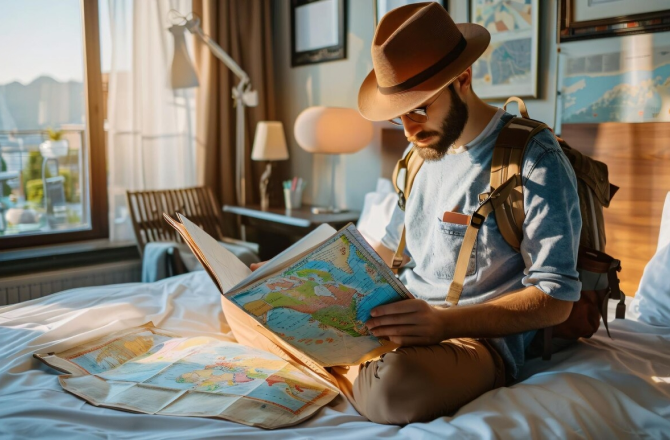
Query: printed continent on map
(330, 303)
(337, 254)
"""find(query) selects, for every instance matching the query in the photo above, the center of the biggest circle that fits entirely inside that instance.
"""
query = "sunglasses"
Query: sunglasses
(418, 115)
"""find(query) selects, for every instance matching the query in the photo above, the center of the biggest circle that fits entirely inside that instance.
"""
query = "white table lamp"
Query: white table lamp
(332, 130)
(269, 145)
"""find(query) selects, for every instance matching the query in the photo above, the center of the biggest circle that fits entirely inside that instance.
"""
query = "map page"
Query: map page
(147, 370)
(319, 302)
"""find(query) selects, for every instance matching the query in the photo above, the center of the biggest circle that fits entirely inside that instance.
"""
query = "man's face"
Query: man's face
(447, 116)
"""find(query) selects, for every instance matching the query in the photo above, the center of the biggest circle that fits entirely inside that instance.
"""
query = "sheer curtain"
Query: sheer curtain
(151, 137)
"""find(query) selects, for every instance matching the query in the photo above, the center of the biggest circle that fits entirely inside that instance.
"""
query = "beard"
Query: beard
(452, 128)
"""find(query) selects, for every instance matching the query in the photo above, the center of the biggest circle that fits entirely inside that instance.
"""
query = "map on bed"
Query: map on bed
(148, 370)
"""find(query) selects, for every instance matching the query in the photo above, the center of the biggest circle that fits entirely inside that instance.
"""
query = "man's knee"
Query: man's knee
(395, 390)
(415, 384)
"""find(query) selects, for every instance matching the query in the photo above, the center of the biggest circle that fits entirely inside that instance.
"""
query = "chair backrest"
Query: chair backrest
(147, 208)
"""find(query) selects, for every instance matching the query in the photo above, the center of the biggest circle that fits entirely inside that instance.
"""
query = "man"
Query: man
(449, 356)
(422, 79)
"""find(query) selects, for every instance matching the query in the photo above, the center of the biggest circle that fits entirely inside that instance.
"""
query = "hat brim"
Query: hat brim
(375, 106)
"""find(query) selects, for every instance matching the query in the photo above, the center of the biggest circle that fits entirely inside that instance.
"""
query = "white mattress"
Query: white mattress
(603, 388)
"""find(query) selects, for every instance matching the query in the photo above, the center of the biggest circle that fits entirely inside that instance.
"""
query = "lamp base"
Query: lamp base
(327, 210)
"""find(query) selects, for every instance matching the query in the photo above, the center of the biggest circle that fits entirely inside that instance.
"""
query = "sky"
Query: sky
(44, 37)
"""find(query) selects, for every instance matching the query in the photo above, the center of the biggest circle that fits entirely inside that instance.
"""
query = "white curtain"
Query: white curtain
(151, 128)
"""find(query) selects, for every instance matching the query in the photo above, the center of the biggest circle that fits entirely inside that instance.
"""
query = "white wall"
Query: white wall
(336, 84)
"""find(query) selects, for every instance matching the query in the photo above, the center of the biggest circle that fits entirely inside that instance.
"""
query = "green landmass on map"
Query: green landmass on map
(337, 310)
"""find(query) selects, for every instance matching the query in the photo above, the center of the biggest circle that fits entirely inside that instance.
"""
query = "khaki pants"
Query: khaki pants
(410, 384)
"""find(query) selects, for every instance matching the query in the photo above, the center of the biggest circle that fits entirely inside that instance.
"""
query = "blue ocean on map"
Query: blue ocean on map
(633, 96)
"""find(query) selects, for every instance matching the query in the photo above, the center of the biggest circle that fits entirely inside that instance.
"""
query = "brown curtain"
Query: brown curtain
(244, 30)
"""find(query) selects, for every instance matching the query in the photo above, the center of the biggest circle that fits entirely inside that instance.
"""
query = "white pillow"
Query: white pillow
(653, 294)
(377, 210)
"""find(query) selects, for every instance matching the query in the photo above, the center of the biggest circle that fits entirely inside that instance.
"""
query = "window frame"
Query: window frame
(95, 138)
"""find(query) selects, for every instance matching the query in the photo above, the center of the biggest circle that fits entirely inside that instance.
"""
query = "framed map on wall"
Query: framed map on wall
(621, 79)
(509, 65)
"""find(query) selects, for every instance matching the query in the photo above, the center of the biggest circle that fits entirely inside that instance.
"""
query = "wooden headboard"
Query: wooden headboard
(638, 158)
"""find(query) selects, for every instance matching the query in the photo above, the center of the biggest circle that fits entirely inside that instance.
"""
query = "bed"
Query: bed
(600, 388)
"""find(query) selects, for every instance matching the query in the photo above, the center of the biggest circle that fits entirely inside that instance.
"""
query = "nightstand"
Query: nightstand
(278, 229)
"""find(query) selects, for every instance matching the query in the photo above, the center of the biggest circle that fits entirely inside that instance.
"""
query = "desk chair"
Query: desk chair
(199, 205)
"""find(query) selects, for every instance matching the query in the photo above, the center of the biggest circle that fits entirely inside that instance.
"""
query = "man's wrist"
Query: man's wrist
(447, 322)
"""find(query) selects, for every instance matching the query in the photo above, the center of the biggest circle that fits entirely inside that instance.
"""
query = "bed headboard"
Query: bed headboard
(394, 144)
(638, 159)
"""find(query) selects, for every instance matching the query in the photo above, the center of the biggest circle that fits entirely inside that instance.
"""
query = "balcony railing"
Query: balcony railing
(43, 187)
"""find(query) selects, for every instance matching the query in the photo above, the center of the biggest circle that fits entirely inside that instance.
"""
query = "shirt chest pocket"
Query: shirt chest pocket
(450, 240)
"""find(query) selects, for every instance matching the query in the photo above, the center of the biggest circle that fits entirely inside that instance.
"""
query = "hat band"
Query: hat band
(429, 72)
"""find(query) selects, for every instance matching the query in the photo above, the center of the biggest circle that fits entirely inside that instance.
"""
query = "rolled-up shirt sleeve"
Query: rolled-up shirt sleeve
(553, 223)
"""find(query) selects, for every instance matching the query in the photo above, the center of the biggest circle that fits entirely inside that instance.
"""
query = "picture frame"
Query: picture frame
(509, 65)
(381, 7)
(621, 79)
(318, 31)
(588, 19)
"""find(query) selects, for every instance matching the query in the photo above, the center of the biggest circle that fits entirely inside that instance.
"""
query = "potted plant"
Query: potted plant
(55, 146)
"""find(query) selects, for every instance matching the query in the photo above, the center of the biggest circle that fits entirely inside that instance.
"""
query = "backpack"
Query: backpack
(597, 270)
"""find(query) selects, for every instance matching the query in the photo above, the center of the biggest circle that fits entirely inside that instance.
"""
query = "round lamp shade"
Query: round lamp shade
(332, 130)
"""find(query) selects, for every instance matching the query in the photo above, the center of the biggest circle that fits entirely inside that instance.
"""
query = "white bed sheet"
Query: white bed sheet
(603, 388)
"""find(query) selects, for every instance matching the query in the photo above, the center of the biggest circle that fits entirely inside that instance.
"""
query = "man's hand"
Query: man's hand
(256, 266)
(415, 322)
(408, 322)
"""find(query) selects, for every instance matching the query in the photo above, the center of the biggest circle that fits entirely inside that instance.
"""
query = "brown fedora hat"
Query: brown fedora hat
(417, 50)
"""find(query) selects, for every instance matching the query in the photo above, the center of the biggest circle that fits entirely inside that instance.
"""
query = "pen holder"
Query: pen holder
(293, 199)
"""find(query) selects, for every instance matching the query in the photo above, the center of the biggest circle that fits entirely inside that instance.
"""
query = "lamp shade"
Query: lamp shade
(332, 130)
(269, 142)
(183, 74)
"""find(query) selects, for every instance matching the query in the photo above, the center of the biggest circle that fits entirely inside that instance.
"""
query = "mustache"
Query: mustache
(422, 135)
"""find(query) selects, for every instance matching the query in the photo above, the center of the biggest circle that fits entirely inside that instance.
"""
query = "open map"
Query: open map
(320, 303)
(150, 371)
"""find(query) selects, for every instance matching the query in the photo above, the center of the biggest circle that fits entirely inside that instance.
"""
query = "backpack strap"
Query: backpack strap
(491, 203)
(403, 177)
(507, 161)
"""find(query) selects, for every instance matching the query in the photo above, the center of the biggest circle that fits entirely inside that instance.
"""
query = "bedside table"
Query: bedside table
(278, 229)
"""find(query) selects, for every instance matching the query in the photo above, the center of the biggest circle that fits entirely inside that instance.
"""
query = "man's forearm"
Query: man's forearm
(519, 311)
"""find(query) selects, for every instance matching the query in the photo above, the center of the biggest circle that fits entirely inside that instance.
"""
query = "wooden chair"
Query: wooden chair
(198, 204)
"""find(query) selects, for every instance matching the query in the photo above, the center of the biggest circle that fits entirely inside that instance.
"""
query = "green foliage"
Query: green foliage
(5, 190)
(34, 168)
(54, 135)
(35, 190)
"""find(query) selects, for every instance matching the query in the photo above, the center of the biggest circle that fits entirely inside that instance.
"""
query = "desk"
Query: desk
(277, 229)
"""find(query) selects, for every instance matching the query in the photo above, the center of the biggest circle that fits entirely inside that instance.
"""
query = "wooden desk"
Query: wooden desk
(278, 229)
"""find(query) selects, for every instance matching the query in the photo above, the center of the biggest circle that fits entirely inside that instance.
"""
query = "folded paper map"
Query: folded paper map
(314, 298)
(149, 370)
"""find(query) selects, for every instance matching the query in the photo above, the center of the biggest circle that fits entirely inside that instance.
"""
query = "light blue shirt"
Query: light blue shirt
(551, 230)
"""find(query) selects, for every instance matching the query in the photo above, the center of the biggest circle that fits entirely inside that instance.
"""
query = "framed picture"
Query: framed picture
(620, 79)
(384, 6)
(318, 31)
(586, 19)
(508, 67)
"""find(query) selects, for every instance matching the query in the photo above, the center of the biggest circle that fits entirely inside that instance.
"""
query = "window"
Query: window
(52, 168)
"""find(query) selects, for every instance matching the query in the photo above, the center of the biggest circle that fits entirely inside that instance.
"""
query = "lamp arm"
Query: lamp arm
(193, 26)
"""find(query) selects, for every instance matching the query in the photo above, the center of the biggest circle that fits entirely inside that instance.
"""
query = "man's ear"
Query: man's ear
(464, 81)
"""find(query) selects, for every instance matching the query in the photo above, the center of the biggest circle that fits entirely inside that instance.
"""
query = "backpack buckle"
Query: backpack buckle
(401, 200)
(477, 220)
